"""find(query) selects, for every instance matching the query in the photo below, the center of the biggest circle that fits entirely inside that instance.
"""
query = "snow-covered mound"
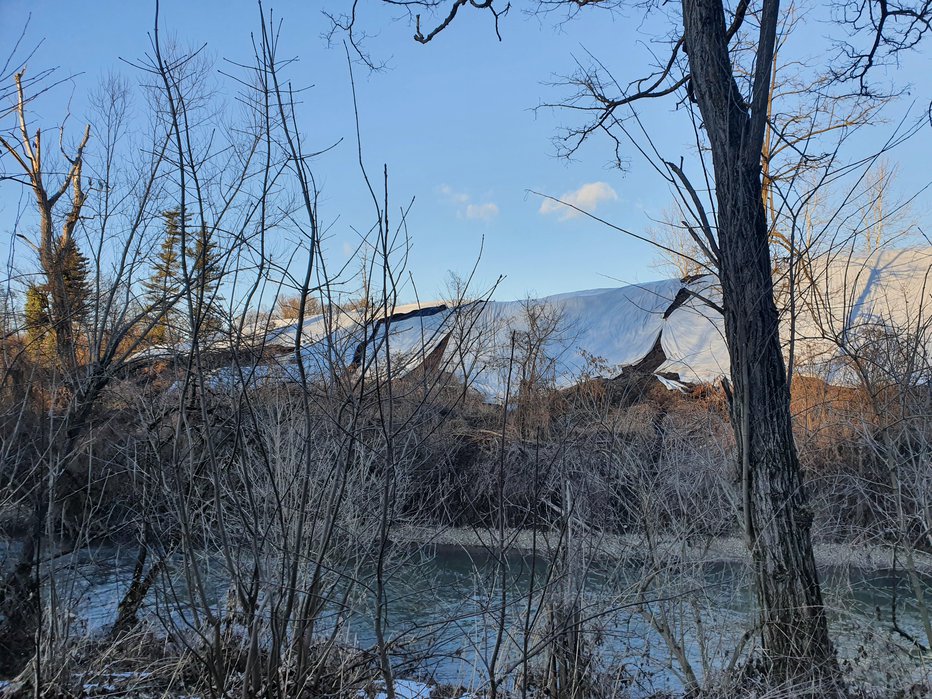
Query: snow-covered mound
(487, 344)
(599, 332)
(855, 305)
(666, 327)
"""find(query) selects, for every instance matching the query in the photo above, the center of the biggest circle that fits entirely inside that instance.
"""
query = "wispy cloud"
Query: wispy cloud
(465, 206)
(482, 212)
(451, 195)
(588, 197)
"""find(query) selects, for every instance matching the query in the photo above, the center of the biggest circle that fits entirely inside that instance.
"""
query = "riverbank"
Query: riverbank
(727, 549)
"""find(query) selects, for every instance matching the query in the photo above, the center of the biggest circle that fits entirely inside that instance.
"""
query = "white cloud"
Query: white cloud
(482, 212)
(451, 195)
(465, 207)
(588, 197)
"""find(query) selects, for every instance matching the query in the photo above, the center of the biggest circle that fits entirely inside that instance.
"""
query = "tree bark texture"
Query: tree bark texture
(792, 619)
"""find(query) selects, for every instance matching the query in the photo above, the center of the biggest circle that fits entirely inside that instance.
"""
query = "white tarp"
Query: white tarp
(599, 332)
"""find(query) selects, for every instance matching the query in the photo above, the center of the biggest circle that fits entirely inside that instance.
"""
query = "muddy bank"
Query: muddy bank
(634, 546)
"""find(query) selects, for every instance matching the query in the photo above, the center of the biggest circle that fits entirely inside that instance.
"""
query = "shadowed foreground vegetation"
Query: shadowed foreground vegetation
(257, 503)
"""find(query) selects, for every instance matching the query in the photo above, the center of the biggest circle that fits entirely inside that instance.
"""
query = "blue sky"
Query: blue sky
(453, 120)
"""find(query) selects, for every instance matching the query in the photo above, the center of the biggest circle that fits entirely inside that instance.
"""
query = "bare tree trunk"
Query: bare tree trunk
(54, 248)
(777, 521)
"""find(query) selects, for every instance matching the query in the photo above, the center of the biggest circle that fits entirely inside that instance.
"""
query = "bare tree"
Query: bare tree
(703, 66)
(677, 250)
(59, 256)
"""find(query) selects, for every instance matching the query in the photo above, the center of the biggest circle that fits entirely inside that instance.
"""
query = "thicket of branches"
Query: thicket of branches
(266, 507)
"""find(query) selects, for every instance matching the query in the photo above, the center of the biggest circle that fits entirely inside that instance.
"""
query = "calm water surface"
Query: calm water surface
(443, 610)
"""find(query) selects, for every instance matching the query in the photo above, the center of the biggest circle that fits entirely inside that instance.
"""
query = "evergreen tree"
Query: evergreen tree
(164, 287)
(41, 326)
(75, 273)
(205, 271)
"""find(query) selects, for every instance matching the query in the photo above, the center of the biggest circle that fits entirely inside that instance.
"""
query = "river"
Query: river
(444, 606)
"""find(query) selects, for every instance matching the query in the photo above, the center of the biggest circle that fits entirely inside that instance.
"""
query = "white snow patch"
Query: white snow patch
(845, 300)
(693, 337)
(404, 689)
(670, 384)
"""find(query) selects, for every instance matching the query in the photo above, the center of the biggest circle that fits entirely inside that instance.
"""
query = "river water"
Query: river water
(445, 607)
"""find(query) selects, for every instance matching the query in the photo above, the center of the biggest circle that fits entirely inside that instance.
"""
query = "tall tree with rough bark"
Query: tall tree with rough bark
(776, 517)
(734, 103)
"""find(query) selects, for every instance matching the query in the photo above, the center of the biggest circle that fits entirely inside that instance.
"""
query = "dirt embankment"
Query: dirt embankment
(633, 546)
